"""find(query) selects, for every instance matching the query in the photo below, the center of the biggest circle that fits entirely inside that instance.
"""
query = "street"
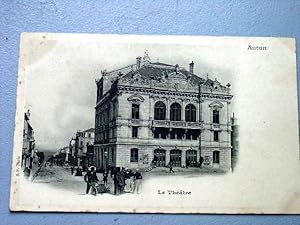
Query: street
(55, 187)
(60, 178)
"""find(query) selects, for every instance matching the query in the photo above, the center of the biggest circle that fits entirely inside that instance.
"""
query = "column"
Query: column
(167, 157)
(168, 110)
(183, 158)
(151, 108)
(229, 125)
(182, 111)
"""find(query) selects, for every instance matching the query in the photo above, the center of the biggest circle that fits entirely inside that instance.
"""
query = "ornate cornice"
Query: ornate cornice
(155, 93)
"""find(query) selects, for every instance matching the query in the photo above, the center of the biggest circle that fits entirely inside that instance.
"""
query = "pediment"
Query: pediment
(176, 75)
(136, 98)
(216, 105)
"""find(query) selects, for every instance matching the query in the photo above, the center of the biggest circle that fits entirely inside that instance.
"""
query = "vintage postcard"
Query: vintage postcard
(156, 124)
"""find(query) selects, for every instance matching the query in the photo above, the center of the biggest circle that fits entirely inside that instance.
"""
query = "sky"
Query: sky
(60, 72)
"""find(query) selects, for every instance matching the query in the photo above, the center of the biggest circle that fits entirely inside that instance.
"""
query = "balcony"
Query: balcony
(177, 124)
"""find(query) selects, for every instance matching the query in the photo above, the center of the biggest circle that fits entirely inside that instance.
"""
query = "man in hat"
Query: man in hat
(137, 181)
(91, 178)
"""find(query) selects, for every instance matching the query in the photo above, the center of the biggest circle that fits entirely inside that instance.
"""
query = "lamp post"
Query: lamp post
(200, 120)
(105, 159)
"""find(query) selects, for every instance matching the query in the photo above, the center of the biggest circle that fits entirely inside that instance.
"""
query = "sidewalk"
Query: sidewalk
(190, 171)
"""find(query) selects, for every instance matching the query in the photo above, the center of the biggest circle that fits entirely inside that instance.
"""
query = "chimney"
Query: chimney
(192, 67)
(138, 62)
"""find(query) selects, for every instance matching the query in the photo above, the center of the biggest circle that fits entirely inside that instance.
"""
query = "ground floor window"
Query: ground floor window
(191, 158)
(175, 157)
(216, 157)
(134, 155)
(159, 158)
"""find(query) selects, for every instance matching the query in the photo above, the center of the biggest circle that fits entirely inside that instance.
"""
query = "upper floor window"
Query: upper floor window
(159, 111)
(190, 113)
(134, 155)
(216, 116)
(100, 91)
(216, 135)
(175, 112)
(135, 111)
(134, 132)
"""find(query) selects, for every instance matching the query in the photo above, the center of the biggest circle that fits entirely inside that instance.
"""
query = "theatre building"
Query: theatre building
(152, 112)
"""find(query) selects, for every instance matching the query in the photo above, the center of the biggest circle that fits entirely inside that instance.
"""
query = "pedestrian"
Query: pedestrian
(91, 180)
(119, 181)
(171, 166)
(127, 180)
(137, 182)
(72, 170)
(131, 178)
(105, 175)
(117, 178)
(112, 171)
(122, 181)
(201, 161)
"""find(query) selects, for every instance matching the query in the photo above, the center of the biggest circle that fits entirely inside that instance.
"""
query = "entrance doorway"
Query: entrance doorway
(159, 157)
(216, 159)
(191, 158)
(175, 157)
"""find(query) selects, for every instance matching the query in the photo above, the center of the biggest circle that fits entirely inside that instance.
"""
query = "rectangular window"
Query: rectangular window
(135, 111)
(172, 135)
(100, 91)
(188, 136)
(216, 157)
(163, 134)
(216, 116)
(112, 132)
(134, 155)
(216, 135)
(134, 132)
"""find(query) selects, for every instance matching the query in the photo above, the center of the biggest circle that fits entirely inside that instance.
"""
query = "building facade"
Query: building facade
(156, 113)
(28, 145)
(83, 147)
(234, 142)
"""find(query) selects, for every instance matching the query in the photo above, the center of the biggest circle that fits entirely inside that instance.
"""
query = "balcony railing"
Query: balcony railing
(177, 124)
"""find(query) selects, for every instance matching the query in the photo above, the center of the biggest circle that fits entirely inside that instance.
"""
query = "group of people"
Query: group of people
(79, 170)
(125, 180)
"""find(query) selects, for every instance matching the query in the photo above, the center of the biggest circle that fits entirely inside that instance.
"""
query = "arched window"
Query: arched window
(159, 111)
(175, 112)
(190, 113)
